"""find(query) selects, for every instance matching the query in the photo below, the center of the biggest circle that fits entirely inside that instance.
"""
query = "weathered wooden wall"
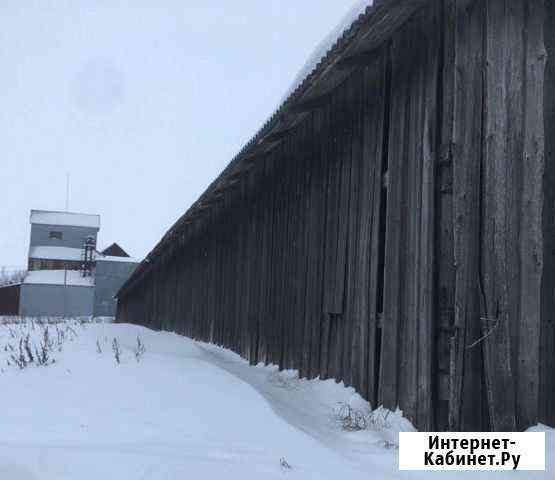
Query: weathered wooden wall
(498, 142)
(394, 237)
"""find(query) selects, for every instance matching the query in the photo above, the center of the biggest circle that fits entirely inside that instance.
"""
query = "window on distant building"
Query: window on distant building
(45, 264)
(56, 235)
(34, 264)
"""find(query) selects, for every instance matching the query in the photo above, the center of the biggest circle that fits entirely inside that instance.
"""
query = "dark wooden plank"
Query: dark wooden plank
(514, 78)
(466, 364)
(298, 240)
(376, 151)
(287, 310)
(547, 336)
(329, 186)
(445, 299)
(531, 234)
(495, 272)
(332, 241)
(426, 279)
(358, 224)
(351, 213)
(390, 355)
(312, 303)
(332, 213)
(344, 178)
(317, 241)
(411, 213)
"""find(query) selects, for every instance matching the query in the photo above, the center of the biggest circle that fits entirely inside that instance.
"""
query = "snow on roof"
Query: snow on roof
(108, 258)
(69, 219)
(358, 8)
(73, 278)
(73, 254)
(114, 250)
(56, 253)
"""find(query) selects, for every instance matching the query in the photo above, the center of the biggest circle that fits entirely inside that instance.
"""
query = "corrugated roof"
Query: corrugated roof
(110, 258)
(326, 44)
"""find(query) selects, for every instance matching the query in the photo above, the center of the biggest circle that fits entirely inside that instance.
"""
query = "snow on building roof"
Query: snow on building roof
(108, 258)
(114, 250)
(73, 254)
(68, 219)
(72, 278)
(326, 44)
(56, 253)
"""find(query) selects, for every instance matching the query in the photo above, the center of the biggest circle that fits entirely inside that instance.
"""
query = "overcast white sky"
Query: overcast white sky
(143, 102)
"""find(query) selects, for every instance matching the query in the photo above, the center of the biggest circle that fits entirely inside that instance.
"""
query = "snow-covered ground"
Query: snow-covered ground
(185, 410)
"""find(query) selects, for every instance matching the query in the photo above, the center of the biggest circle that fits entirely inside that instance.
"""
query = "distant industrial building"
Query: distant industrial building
(67, 276)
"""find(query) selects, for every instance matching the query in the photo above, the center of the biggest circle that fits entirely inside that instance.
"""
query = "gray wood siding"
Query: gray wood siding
(391, 233)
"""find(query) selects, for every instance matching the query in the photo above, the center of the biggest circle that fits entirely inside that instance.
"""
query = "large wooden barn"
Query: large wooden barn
(391, 226)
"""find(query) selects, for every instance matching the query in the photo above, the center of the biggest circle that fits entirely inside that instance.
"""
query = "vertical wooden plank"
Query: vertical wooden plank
(331, 308)
(389, 374)
(444, 197)
(304, 259)
(327, 166)
(531, 216)
(359, 262)
(411, 213)
(343, 174)
(344, 198)
(299, 239)
(377, 127)
(277, 261)
(494, 312)
(257, 261)
(313, 285)
(315, 292)
(332, 211)
(245, 217)
(289, 250)
(466, 364)
(352, 161)
(547, 356)
(426, 280)
(366, 165)
(267, 218)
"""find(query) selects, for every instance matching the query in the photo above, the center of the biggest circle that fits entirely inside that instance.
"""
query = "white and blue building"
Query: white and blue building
(67, 276)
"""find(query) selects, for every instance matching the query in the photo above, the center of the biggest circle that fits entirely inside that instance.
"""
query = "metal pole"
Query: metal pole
(65, 315)
(67, 192)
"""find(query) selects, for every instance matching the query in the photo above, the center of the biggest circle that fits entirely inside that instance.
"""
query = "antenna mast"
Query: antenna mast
(67, 192)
